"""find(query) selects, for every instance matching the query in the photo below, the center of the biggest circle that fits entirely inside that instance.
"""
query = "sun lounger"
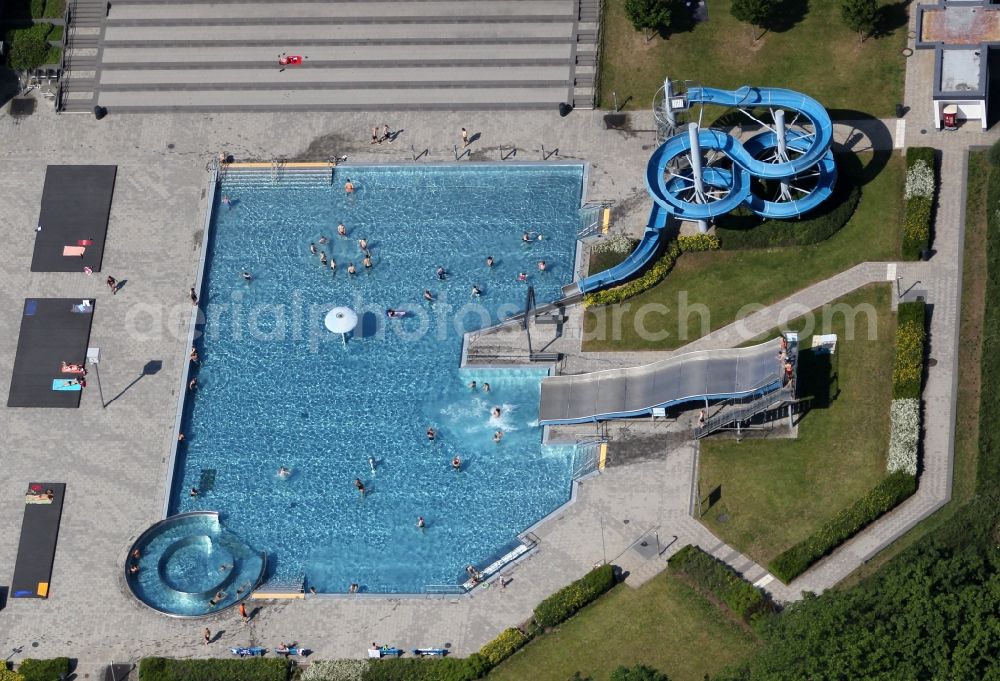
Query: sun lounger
(66, 384)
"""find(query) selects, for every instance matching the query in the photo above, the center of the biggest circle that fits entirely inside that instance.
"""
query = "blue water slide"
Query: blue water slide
(637, 259)
(731, 186)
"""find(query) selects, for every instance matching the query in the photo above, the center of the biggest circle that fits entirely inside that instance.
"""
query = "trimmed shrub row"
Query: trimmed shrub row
(250, 669)
(43, 670)
(418, 669)
(885, 496)
(712, 575)
(988, 463)
(564, 603)
(921, 186)
(743, 229)
(653, 276)
(908, 365)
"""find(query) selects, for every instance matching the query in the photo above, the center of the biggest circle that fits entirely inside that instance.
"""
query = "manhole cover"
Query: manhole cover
(22, 106)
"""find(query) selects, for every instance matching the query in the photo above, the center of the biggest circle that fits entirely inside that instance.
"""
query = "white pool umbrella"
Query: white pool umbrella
(341, 320)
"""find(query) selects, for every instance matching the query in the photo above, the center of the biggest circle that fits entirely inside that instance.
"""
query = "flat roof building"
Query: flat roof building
(961, 33)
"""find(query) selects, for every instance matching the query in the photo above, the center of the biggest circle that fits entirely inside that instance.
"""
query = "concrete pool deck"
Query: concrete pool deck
(116, 457)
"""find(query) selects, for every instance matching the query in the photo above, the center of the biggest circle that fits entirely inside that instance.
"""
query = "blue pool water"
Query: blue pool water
(277, 389)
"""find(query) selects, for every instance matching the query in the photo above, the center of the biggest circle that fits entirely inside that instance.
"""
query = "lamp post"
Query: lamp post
(97, 372)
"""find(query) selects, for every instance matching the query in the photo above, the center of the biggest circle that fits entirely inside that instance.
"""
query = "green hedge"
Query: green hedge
(918, 211)
(9, 675)
(564, 603)
(908, 365)
(698, 242)
(250, 669)
(717, 578)
(988, 462)
(54, 9)
(43, 670)
(886, 495)
(417, 669)
(743, 229)
(503, 646)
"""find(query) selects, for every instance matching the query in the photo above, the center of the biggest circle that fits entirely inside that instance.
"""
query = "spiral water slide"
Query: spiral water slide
(797, 157)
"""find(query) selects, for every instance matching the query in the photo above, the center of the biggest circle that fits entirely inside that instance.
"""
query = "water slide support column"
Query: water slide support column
(699, 183)
(779, 130)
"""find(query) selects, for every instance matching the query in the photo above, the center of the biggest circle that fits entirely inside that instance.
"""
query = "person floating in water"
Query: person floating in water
(441, 272)
(489, 261)
(323, 239)
(322, 258)
(353, 588)
(194, 354)
(333, 265)
(349, 186)
(367, 262)
(351, 269)
(476, 291)
(363, 244)
(227, 202)
(526, 238)
(541, 265)
(428, 296)
(497, 436)
(486, 387)
(371, 463)
(420, 522)
(360, 486)
(496, 412)
(284, 472)
(456, 464)
(522, 276)
(312, 248)
(472, 385)
(194, 492)
(246, 275)
(341, 229)
(431, 434)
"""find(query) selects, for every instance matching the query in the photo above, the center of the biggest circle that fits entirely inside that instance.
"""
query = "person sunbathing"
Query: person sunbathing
(72, 368)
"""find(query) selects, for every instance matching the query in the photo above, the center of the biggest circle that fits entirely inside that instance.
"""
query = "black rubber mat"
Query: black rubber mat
(76, 203)
(53, 331)
(37, 549)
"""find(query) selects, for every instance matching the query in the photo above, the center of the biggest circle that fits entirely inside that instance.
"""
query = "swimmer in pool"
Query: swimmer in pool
(489, 261)
(351, 269)
(349, 186)
(284, 472)
(541, 266)
(246, 276)
(431, 434)
(367, 262)
(441, 272)
(497, 436)
(525, 238)
(476, 291)
(522, 276)
(333, 265)
(496, 412)
(312, 248)
(341, 229)
(322, 258)
(363, 244)
(360, 486)
(420, 522)
(472, 385)
(323, 239)
(486, 387)
(428, 296)
(456, 464)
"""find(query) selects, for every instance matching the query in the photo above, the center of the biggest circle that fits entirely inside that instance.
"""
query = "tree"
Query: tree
(860, 16)
(754, 12)
(649, 15)
(640, 672)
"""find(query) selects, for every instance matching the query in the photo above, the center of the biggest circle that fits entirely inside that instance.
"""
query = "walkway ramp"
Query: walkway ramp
(635, 391)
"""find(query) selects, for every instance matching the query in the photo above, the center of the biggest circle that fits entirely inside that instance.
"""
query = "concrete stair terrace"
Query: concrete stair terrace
(195, 55)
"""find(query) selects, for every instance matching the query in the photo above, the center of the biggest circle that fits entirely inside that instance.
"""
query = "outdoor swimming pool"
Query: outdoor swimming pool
(275, 388)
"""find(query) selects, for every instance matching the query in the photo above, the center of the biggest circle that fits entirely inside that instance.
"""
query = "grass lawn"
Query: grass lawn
(969, 350)
(816, 55)
(725, 281)
(664, 624)
(776, 492)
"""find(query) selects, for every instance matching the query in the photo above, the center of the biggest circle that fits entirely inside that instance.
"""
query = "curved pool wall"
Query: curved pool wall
(186, 560)
(176, 500)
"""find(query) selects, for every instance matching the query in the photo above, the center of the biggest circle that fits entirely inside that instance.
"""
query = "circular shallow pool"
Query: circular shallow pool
(189, 565)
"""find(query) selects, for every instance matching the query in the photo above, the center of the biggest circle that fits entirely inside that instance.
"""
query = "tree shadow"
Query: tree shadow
(786, 15)
(879, 136)
(890, 18)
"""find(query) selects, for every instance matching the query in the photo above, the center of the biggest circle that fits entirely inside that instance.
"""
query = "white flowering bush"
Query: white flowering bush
(904, 435)
(919, 180)
(335, 670)
(619, 243)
